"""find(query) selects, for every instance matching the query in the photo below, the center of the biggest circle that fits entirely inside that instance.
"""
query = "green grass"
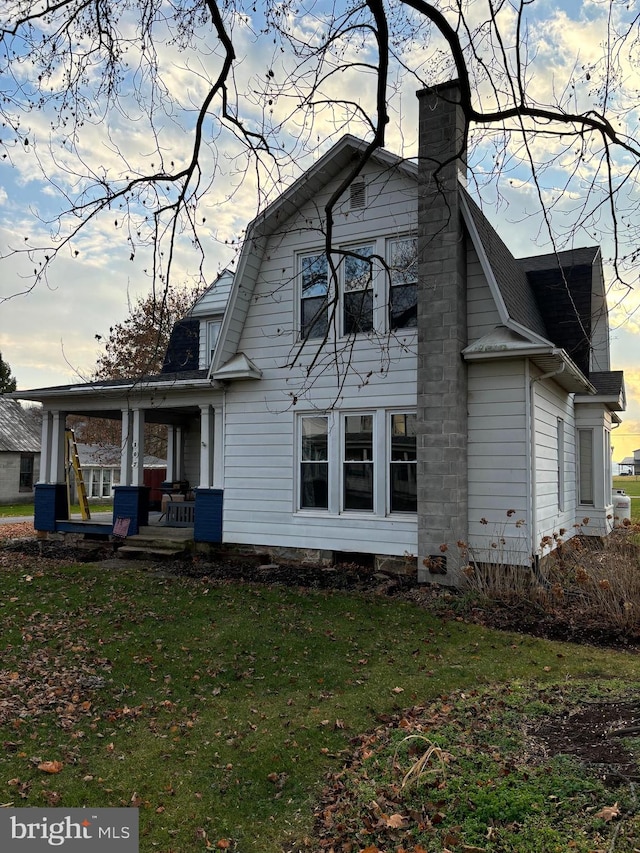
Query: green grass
(219, 709)
(489, 785)
(11, 510)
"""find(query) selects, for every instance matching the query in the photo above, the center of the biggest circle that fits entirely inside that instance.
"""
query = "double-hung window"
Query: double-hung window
(560, 443)
(403, 280)
(314, 292)
(314, 463)
(585, 466)
(26, 472)
(403, 480)
(349, 462)
(358, 462)
(358, 290)
(213, 332)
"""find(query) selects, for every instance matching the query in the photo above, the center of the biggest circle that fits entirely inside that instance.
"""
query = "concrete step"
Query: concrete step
(148, 552)
(176, 534)
(144, 541)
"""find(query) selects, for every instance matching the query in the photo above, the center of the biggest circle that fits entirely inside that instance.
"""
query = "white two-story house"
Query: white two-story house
(403, 386)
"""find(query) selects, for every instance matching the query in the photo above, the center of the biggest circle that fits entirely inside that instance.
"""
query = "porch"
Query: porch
(199, 519)
(191, 411)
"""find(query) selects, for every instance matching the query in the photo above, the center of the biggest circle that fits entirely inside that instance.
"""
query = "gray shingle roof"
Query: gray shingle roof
(609, 382)
(563, 284)
(510, 276)
(18, 432)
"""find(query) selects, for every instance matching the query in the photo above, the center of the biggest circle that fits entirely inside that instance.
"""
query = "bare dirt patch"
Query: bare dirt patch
(595, 734)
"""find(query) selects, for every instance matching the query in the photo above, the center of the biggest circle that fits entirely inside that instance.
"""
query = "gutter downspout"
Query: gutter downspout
(535, 555)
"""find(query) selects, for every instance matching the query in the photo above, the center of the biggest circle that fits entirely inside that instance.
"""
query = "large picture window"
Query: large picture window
(314, 292)
(358, 290)
(358, 462)
(314, 463)
(403, 480)
(403, 291)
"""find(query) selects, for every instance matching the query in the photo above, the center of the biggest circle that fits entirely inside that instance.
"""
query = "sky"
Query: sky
(52, 331)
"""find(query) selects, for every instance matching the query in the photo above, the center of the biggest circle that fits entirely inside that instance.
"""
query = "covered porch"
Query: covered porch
(193, 485)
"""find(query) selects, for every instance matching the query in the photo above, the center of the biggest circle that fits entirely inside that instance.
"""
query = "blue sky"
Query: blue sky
(48, 333)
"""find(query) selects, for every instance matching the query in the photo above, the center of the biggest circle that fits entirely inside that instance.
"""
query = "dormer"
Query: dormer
(209, 312)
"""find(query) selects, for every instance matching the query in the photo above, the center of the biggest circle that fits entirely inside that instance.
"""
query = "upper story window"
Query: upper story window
(358, 290)
(314, 292)
(402, 257)
(213, 332)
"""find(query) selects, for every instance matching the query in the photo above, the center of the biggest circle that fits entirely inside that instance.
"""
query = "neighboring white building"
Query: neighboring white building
(443, 395)
(100, 466)
(19, 453)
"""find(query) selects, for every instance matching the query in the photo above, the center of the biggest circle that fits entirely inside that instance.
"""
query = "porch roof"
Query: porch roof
(165, 398)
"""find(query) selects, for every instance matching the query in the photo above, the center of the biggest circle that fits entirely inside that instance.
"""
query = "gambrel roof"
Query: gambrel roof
(545, 303)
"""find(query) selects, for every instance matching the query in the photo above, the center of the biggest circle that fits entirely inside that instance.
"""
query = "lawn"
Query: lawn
(12, 510)
(218, 709)
(631, 485)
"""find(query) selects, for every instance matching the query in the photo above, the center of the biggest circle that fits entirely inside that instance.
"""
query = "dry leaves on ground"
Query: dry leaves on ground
(17, 530)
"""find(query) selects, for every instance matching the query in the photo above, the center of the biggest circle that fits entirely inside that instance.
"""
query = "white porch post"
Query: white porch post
(171, 453)
(178, 454)
(56, 468)
(137, 449)
(218, 448)
(125, 449)
(45, 448)
(206, 446)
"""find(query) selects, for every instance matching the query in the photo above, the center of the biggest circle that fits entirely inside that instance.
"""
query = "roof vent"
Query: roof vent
(357, 197)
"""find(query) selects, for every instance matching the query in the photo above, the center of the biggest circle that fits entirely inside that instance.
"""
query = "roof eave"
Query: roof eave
(42, 395)
(554, 362)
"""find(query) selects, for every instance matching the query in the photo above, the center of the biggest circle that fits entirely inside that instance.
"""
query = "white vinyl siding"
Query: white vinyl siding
(482, 314)
(262, 457)
(498, 480)
(553, 404)
(561, 463)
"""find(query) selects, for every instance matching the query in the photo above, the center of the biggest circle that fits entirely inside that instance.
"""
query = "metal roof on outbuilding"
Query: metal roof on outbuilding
(18, 431)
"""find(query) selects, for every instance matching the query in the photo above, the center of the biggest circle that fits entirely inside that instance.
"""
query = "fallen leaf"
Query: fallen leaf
(396, 821)
(609, 812)
(50, 766)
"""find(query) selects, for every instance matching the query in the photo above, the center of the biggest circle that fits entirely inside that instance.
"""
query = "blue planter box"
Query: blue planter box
(208, 516)
(50, 504)
(130, 503)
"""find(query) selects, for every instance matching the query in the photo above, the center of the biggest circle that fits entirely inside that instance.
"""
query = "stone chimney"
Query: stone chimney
(442, 335)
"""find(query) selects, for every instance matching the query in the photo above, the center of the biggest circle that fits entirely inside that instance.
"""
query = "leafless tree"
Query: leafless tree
(193, 98)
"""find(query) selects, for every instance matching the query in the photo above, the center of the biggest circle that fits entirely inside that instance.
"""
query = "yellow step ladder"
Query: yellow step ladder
(73, 461)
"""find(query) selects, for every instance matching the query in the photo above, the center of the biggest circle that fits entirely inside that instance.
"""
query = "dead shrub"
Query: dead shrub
(597, 578)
